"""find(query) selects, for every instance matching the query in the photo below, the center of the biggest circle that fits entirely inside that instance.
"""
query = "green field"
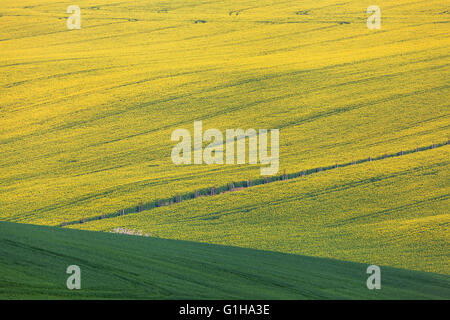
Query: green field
(86, 118)
(129, 267)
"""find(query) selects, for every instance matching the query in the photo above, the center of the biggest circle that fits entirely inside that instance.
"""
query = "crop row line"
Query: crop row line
(235, 186)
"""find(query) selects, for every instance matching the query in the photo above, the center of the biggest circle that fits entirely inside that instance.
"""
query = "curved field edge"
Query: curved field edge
(33, 261)
(389, 212)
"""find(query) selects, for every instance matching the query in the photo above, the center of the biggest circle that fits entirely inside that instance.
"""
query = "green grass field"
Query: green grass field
(129, 267)
(86, 118)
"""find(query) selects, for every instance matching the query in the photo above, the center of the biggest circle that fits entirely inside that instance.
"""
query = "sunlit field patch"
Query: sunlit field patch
(389, 212)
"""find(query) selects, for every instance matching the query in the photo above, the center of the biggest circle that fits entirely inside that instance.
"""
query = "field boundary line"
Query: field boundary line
(236, 186)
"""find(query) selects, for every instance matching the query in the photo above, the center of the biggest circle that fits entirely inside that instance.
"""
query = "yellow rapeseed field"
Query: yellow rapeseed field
(388, 212)
(86, 117)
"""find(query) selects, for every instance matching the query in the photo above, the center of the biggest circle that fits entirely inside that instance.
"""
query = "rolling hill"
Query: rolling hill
(389, 212)
(86, 118)
(86, 115)
(34, 259)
